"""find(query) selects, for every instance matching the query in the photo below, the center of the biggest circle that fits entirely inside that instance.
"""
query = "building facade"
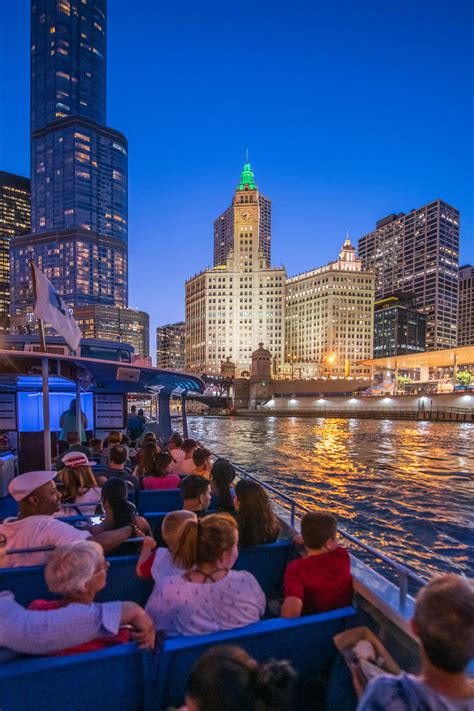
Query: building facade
(233, 307)
(330, 317)
(115, 324)
(170, 346)
(418, 252)
(224, 224)
(15, 219)
(79, 166)
(466, 306)
(399, 329)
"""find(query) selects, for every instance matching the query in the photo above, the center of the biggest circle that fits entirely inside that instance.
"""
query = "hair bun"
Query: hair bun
(274, 681)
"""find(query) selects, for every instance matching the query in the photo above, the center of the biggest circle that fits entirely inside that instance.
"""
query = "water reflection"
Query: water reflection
(406, 487)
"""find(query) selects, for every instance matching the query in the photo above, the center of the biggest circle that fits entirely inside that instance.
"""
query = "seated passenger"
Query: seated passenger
(444, 624)
(196, 494)
(132, 452)
(113, 439)
(118, 458)
(226, 678)
(36, 525)
(322, 580)
(161, 477)
(78, 485)
(160, 564)
(96, 447)
(255, 517)
(209, 597)
(175, 448)
(74, 445)
(202, 462)
(120, 512)
(77, 573)
(222, 476)
(186, 466)
(147, 460)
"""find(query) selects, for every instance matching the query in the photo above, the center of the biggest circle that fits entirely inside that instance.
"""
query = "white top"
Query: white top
(163, 566)
(91, 495)
(36, 531)
(181, 608)
(185, 466)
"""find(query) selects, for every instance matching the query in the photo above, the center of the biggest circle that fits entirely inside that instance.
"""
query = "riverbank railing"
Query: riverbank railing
(403, 573)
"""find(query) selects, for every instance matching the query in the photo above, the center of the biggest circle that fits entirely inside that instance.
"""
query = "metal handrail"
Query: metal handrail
(45, 549)
(404, 573)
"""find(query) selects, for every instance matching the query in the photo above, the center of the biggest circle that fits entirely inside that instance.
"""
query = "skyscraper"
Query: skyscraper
(233, 307)
(330, 316)
(78, 165)
(399, 329)
(170, 349)
(418, 252)
(224, 224)
(15, 211)
(466, 306)
(108, 322)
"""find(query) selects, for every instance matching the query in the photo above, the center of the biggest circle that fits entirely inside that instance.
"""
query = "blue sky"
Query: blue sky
(350, 110)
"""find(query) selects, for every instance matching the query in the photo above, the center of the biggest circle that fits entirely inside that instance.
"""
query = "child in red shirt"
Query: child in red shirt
(322, 580)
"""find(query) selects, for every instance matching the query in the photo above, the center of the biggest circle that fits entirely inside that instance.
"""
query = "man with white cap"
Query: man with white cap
(36, 526)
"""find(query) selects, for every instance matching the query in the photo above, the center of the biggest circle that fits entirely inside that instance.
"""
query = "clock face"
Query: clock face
(245, 215)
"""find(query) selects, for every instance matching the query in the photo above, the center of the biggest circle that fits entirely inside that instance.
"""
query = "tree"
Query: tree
(463, 377)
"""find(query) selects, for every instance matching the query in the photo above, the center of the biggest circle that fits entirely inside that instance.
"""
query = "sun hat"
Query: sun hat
(23, 485)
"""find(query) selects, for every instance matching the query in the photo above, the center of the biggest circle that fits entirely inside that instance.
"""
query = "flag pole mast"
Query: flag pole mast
(45, 382)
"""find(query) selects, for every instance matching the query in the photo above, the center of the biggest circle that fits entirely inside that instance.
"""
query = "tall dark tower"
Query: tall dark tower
(79, 166)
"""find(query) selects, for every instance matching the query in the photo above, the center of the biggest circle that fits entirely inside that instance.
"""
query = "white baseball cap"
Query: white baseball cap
(22, 486)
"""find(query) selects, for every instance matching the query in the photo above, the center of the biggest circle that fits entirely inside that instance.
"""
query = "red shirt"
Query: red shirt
(170, 481)
(93, 645)
(323, 582)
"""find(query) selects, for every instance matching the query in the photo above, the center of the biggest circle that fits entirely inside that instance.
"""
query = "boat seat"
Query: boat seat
(160, 500)
(120, 678)
(306, 641)
(267, 563)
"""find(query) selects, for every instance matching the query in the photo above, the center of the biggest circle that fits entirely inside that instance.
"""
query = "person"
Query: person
(78, 485)
(202, 462)
(161, 477)
(196, 494)
(147, 459)
(32, 632)
(444, 624)
(321, 580)
(147, 437)
(68, 423)
(226, 678)
(77, 573)
(186, 466)
(118, 457)
(175, 448)
(135, 424)
(120, 512)
(96, 447)
(74, 445)
(255, 517)
(210, 596)
(36, 526)
(222, 476)
(113, 439)
(132, 452)
(158, 564)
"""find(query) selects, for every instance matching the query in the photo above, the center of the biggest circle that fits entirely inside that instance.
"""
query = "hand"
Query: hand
(149, 544)
(357, 679)
(298, 540)
(143, 629)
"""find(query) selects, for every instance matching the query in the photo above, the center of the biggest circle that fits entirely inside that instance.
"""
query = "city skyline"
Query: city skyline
(366, 155)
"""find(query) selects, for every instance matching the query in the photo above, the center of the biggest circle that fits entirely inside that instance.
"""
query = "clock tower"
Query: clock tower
(246, 211)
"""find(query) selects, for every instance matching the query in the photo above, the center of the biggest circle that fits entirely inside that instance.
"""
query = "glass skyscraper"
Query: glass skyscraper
(79, 166)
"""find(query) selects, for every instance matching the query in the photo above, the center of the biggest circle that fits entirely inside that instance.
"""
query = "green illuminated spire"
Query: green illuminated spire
(247, 178)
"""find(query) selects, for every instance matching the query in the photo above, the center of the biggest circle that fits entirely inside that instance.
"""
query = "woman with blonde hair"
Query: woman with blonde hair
(78, 486)
(209, 596)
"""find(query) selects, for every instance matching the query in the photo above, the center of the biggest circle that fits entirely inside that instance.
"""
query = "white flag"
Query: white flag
(50, 307)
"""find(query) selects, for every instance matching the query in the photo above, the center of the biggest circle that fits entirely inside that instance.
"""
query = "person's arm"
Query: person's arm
(292, 607)
(143, 631)
(112, 539)
(147, 556)
(293, 593)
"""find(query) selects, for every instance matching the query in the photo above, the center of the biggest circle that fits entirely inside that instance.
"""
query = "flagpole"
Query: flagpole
(45, 383)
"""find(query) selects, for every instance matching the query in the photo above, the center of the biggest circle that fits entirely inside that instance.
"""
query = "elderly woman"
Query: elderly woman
(77, 573)
(78, 486)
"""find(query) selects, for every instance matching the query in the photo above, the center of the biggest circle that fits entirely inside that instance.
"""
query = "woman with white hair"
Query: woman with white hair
(77, 573)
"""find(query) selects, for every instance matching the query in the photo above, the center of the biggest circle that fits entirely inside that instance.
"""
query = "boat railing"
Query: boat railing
(403, 573)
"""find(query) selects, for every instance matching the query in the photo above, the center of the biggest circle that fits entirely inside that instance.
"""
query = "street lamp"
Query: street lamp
(331, 359)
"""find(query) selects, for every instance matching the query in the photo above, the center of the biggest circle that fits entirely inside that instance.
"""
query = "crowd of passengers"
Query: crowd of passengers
(195, 588)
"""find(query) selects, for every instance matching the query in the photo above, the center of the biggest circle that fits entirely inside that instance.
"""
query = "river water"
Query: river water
(405, 487)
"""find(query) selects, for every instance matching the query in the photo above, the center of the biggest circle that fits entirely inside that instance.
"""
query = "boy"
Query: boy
(444, 624)
(322, 580)
(202, 462)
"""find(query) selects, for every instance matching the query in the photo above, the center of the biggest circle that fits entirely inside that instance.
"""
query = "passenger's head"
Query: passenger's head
(95, 444)
(36, 493)
(444, 622)
(257, 521)
(148, 454)
(78, 570)
(189, 445)
(319, 531)
(119, 510)
(114, 437)
(222, 476)
(195, 492)
(133, 409)
(172, 524)
(118, 455)
(76, 477)
(73, 438)
(149, 437)
(213, 539)
(175, 441)
(202, 459)
(162, 464)
(226, 678)
(125, 441)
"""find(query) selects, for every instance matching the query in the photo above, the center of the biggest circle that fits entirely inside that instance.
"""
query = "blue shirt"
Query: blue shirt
(408, 693)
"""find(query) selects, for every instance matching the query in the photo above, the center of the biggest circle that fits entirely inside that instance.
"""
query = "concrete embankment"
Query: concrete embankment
(437, 415)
